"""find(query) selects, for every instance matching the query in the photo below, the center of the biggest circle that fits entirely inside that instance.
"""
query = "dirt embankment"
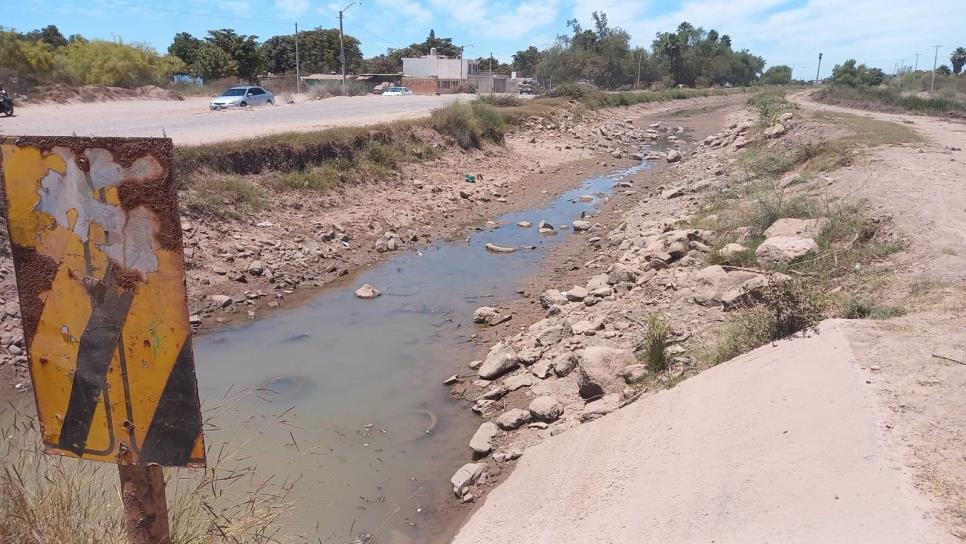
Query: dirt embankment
(240, 269)
(641, 306)
(68, 94)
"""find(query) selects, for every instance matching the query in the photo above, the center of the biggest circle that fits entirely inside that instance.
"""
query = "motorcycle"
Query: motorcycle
(6, 104)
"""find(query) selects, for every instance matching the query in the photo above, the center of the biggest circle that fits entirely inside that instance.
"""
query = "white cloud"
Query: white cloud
(464, 11)
(292, 7)
(527, 16)
(412, 10)
(877, 32)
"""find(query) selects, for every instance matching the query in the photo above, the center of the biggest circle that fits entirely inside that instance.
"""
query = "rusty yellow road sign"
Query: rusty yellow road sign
(96, 241)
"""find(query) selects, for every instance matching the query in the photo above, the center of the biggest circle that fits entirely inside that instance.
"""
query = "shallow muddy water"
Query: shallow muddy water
(350, 397)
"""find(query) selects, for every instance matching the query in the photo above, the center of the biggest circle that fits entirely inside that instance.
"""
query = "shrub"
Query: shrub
(786, 307)
(503, 100)
(469, 124)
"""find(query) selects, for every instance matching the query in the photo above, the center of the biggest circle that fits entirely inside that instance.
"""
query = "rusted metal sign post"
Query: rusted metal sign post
(96, 240)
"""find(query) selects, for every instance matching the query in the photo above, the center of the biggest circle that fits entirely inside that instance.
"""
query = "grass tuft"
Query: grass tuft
(655, 343)
(469, 125)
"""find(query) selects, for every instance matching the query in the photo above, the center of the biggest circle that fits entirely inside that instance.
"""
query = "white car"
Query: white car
(241, 97)
(397, 91)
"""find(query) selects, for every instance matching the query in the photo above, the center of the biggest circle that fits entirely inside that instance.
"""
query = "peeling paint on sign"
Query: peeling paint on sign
(96, 240)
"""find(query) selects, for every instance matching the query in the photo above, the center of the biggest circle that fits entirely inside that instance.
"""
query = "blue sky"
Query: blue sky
(793, 32)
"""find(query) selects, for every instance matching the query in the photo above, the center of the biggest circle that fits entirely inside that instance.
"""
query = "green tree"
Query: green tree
(318, 52)
(211, 62)
(183, 46)
(944, 70)
(241, 48)
(525, 61)
(777, 75)
(958, 58)
(49, 35)
(856, 75)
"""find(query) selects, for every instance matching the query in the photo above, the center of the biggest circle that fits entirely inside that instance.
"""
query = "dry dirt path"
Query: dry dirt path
(779, 445)
(191, 122)
(923, 189)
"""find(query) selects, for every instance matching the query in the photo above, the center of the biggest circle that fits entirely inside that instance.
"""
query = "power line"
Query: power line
(199, 13)
(369, 32)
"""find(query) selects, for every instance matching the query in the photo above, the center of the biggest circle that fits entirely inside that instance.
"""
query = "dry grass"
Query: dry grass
(851, 242)
(53, 499)
(223, 196)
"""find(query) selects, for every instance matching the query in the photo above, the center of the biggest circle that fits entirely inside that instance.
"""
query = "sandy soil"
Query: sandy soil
(779, 445)
(191, 122)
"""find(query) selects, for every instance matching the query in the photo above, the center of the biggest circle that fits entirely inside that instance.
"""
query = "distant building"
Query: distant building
(434, 73)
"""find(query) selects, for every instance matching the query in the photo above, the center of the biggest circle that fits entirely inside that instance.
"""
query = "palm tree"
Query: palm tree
(671, 48)
(958, 59)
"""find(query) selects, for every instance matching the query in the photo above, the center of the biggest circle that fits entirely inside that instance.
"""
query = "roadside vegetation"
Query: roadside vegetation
(858, 85)
(778, 183)
(46, 56)
(234, 178)
(49, 498)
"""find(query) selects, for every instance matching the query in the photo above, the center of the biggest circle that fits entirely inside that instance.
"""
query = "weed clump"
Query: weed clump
(469, 124)
(786, 307)
(863, 307)
(655, 343)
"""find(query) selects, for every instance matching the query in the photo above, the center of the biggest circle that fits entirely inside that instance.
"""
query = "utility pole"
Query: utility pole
(298, 81)
(342, 44)
(916, 69)
(819, 69)
(935, 61)
(640, 60)
(902, 69)
(492, 85)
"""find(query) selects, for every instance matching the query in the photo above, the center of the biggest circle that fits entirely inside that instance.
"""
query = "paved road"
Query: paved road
(191, 122)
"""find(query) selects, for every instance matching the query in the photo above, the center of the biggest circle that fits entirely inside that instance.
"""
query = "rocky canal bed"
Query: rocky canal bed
(641, 263)
(245, 265)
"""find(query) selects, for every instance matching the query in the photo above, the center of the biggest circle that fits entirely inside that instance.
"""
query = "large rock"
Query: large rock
(367, 292)
(222, 301)
(601, 369)
(513, 419)
(256, 268)
(549, 335)
(552, 297)
(780, 250)
(619, 273)
(673, 155)
(580, 225)
(565, 364)
(488, 315)
(797, 228)
(576, 293)
(598, 282)
(542, 368)
(732, 249)
(466, 476)
(499, 359)
(712, 282)
(546, 408)
(775, 130)
(482, 441)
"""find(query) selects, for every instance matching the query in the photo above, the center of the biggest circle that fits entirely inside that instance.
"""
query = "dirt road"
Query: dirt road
(191, 122)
